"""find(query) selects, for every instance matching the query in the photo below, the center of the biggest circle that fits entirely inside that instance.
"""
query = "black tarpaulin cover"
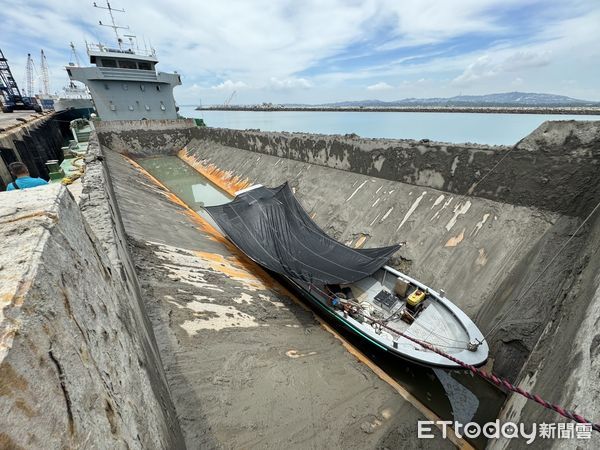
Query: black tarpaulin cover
(272, 228)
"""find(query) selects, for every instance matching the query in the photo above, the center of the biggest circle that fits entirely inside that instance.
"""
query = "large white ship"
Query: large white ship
(123, 81)
(74, 97)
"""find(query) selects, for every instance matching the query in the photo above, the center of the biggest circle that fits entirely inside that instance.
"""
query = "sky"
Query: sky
(318, 51)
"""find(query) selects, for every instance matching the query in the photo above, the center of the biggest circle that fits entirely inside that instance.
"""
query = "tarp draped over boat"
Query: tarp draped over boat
(272, 228)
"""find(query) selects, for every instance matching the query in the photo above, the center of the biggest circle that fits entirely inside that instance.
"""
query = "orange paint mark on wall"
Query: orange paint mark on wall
(227, 181)
(233, 269)
(454, 241)
(237, 257)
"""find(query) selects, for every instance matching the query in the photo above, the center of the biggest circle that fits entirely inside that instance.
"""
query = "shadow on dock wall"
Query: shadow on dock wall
(33, 143)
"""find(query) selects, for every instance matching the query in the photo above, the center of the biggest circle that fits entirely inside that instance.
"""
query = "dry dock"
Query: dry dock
(127, 321)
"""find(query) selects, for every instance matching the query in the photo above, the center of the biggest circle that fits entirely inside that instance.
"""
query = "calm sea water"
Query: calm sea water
(495, 129)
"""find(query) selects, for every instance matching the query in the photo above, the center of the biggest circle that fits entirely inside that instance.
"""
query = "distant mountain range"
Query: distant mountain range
(503, 99)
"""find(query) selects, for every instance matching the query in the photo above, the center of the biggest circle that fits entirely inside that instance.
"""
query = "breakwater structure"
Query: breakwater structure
(128, 320)
(490, 109)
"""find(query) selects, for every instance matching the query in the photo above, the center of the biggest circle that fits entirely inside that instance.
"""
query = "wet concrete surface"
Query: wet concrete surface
(247, 365)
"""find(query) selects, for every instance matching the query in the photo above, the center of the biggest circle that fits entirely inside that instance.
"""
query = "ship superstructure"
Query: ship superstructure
(124, 83)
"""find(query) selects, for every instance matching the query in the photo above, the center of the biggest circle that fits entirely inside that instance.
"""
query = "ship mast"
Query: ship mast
(114, 26)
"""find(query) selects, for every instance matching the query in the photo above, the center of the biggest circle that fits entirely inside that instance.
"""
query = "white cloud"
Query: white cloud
(525, 60)
(381, 86)
(483, 67)
(490, 65)
(229, 85)
(289, 83)
(279, 49)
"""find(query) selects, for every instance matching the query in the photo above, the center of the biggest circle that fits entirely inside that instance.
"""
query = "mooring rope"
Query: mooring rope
(494, 379)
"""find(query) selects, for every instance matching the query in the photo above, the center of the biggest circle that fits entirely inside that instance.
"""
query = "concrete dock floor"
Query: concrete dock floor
(246, 364)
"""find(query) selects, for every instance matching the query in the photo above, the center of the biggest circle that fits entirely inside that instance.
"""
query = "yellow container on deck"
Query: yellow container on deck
(415, 298)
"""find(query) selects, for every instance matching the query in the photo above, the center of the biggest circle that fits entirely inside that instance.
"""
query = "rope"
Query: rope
(430, 331)
(494, 379)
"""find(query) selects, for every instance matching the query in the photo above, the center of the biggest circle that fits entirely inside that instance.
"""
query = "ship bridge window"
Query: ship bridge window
(126, 64)
(144, 66)
(108, 62)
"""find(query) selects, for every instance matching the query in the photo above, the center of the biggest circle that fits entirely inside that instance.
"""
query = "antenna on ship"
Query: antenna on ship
(131, 38)
(114, 26)
(152, 51)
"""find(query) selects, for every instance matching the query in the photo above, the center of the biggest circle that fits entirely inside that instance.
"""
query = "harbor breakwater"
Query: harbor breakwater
(491, 109)
(483, 243)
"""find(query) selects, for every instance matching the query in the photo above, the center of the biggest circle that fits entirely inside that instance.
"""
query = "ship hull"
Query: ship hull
(63, 104)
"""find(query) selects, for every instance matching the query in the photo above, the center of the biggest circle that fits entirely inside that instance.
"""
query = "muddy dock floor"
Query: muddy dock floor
(247, 364)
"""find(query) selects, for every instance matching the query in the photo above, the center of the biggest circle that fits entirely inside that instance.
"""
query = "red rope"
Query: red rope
(498, 381)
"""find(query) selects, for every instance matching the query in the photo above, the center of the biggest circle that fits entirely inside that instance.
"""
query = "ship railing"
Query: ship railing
(90, 47)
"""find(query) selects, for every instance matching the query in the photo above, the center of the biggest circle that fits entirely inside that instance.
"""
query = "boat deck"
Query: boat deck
(435, 324)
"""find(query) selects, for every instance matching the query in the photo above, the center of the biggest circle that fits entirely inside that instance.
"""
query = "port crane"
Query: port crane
(10, 95)
(29, 80)
(45, 73)
(228, 100)
(75, 56)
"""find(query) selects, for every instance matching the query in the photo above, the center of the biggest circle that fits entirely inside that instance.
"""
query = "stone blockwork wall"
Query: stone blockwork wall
(145, 138)
(78, 362)
(555, 168)
(32, 143)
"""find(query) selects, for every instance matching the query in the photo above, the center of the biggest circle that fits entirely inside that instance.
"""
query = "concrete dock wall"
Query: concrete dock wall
(481, 252)
(564, 367)
(33, 142)
(78, 356)
(484, 249)
(141, 138)
(555, 168)
(78, 364)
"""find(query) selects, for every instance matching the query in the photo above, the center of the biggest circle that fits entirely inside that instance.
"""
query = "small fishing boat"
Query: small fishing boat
(389, 306)
(386, 307)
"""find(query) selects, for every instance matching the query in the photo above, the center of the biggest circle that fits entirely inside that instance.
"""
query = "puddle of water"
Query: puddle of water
(184, 181)
(452, 395)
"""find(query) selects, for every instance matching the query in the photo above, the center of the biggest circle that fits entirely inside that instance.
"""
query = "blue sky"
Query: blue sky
(317, 51)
